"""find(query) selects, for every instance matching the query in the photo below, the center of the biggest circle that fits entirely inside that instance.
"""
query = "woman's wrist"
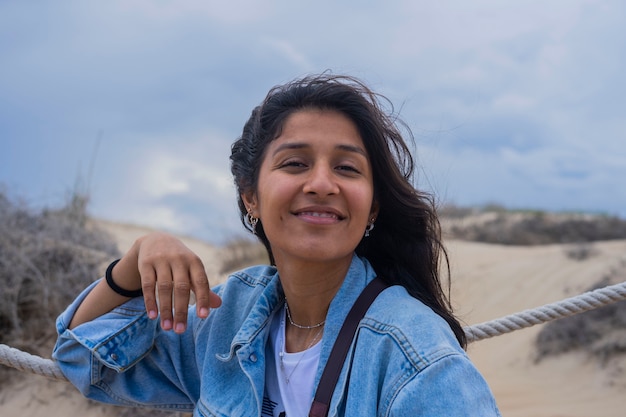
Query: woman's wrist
(115, 287)
(124, 272)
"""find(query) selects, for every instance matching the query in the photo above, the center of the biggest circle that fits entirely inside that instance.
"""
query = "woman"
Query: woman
(323, 178)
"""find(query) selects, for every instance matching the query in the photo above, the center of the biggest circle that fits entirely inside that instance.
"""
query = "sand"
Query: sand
(492, 281)
(489, 281)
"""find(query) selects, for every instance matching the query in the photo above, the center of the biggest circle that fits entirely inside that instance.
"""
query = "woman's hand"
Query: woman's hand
(163, 267)
(169, 271)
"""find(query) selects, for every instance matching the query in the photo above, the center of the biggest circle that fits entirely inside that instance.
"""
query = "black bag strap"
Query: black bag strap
(330, 376)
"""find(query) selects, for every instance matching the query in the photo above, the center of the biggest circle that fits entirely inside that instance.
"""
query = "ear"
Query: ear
(374, 210)
(251, 202)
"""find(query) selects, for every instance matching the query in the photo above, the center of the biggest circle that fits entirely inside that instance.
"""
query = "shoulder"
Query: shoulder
(244, 289)
(254, 277)
(417, 331)
(416, 361)
(451, 386)
(249, 294)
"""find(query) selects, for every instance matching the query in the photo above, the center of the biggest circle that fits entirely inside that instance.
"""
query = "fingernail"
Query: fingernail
(152, 314)
(167, 324)
(180, 327)
(204, 312)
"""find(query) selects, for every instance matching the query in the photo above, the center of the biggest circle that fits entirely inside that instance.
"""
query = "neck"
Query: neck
(310, 289)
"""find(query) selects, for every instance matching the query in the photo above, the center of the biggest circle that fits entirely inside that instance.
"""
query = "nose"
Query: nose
(321, 181)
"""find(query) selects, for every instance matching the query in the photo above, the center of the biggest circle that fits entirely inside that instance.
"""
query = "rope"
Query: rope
(568, 307)
(26, 362)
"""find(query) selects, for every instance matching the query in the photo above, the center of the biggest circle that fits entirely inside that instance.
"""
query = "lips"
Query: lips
(320, 213)
(314, 214)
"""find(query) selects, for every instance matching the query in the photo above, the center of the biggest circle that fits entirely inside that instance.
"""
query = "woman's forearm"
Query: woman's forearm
(102, 298)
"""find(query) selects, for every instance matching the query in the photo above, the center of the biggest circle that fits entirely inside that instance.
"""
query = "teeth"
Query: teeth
(315, 214)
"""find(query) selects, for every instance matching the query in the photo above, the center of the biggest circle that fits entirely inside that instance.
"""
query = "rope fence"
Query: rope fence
(567, 307)
(590, 300)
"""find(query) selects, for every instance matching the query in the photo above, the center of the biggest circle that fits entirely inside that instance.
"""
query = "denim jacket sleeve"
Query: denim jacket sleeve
(109, 346)
(450, 387)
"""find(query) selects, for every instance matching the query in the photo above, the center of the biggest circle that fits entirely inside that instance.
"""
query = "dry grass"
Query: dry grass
(494, 224)
(240, 253)
(46, 259)
(601, 333)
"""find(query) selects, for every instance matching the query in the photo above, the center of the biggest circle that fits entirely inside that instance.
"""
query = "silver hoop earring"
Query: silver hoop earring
(252, 221)
(369, 228)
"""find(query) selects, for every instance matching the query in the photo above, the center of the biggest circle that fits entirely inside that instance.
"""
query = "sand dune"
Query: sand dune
(490, 281)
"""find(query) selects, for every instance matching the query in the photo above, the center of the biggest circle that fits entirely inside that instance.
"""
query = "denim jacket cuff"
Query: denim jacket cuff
(117, 339)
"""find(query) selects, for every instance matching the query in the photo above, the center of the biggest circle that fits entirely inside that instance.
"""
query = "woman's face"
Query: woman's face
(315, 190)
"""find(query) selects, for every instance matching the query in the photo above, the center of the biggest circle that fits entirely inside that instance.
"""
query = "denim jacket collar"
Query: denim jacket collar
(256, 322)
(359, 274)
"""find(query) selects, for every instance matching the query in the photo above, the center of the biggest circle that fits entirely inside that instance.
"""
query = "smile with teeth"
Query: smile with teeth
(321, 216)
(316, 214)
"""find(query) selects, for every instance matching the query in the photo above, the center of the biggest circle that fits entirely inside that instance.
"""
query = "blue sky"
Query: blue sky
(521, 103)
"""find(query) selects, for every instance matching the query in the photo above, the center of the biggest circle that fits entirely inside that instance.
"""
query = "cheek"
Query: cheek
(273, 196)
(365, 201)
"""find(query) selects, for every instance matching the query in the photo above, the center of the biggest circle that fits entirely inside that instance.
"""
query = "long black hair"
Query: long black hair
(405, 248)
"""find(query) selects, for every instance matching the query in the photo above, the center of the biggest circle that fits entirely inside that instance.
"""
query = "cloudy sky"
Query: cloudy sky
(521, 103)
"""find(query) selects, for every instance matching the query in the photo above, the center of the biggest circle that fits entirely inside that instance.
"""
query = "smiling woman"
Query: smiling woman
(318, 164)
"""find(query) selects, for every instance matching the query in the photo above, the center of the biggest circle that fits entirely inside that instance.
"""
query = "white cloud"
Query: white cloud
(178, 183)
(519, 102)
(164, 173)
(289, 52)
(158, 175)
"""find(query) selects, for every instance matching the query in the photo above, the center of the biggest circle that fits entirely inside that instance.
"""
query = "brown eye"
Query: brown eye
(293, 164)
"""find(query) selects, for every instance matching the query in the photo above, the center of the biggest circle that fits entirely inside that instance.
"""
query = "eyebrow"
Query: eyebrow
(297, 145)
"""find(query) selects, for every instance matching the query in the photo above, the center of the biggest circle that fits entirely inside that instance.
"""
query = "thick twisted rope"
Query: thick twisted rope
(26, 362)
(568, 307)
(560, 309)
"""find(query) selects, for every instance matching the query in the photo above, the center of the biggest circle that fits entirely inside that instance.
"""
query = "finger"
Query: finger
(148, 286)
(164, 290)
(205, 298)
(214, 300)
(182, 289)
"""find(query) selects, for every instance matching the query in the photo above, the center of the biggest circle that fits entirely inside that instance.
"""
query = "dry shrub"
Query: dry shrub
(601, 332)
(240, 253)
(580, 251)
(494, 224)
(46, 258)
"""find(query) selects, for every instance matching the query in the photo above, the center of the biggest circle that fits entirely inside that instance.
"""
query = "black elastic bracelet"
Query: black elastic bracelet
(119, 290)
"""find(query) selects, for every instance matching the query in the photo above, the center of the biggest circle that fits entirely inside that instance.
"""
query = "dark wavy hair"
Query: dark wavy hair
(405, 248)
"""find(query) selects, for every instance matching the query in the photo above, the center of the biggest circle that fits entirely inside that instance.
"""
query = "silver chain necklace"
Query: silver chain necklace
(282, 352)
(300, 326)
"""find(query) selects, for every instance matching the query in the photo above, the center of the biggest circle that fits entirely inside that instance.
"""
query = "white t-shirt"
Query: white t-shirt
(289, 377)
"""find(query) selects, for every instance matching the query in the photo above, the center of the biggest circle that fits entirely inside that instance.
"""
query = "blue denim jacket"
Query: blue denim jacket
(405, 360)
